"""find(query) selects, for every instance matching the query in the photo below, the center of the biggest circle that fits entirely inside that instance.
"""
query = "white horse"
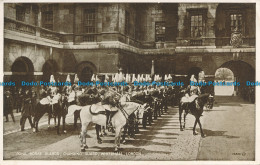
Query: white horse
(96, 114)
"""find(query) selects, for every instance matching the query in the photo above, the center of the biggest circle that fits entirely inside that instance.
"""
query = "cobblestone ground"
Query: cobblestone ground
(226, 137)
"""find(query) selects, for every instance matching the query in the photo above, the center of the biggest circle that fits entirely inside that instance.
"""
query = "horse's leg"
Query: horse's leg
(180, 115)
(34, 124)
(98, 129)
(104, 131)
(49, 120)
(124, 134)
(194, 132)
(184, 119)
(37, 130)
(76, 116)
(64, 124)
(83, 137)
(117, 137)
(55, 120)
(201, 130)
(58, 127)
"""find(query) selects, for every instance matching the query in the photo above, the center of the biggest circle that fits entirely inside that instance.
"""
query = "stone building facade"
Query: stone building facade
(85, 38)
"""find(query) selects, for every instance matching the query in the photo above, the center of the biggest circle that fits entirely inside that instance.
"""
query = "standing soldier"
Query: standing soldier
(27, 110)
(19, 101)
(8, 105)
(34, 101)
(42, 92)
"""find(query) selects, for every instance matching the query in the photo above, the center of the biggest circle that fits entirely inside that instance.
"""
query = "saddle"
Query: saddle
(45, 101)
(97, 109)
(188, 99)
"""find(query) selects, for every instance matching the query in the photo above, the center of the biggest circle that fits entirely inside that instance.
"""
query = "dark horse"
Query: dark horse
(59, 110)
(196, 109)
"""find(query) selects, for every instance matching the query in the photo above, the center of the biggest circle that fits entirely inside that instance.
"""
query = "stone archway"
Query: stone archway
(85, 70)
(224, 75)
(49, 68)
(22, 70)
(243, 72)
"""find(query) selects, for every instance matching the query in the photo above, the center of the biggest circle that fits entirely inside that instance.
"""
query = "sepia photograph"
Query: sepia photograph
(128, 81)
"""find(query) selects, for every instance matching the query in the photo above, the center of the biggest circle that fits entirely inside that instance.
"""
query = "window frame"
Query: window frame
(22, 10)
(86, 22)
(127, 23)
(47, 13)
(236, 12)
(161, 35)
(198, 12)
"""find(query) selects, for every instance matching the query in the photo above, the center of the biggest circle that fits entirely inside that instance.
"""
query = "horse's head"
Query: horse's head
(202, 99)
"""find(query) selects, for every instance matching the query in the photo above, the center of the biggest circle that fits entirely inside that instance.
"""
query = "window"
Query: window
(159, 31)
(236, 23)
(20, 13)
(127, 22)
(47, 17)
(89, 21)
(197, 26)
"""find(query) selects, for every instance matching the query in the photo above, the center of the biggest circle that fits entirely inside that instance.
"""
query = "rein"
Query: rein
(126, 115)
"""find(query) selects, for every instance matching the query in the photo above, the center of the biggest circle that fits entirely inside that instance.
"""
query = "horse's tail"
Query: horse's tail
(73, 108)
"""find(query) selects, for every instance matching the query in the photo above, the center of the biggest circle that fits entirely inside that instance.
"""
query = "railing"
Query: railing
(225, 41)
(45, 33)
(19, 26)
(81, 38)
(196, 42)
(89, 38)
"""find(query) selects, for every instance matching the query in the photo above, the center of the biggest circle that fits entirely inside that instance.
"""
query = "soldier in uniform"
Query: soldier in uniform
(8, 105)
(194, 90)
(110, 102)
(27, 110)
(34, 100)
(19, 101)
(42, 92)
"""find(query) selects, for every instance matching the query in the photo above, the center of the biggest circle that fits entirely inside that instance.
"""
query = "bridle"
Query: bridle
(126, 115)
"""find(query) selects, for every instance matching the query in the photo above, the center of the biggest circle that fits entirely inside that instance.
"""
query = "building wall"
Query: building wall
(210, 62)
(110, 26)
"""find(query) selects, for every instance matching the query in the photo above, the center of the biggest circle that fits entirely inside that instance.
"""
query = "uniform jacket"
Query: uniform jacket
(8, 104)
(27, 106)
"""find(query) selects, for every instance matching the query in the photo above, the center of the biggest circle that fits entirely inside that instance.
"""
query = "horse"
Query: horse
(98, 117)
(59, 110)
(195, 107)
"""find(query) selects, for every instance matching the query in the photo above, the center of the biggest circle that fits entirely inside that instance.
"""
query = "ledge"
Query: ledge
(17, 36)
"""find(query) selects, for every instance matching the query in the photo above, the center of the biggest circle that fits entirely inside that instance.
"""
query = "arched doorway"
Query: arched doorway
(224, 75)
(22, 70)
(243, 72)
(85, 70)
(49, 68)
(86, 74)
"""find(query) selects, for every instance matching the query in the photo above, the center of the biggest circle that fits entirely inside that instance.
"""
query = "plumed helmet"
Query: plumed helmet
(133, 78)
(106, 78)
(68, 78)
(97, 78)
(93, 78)
(52, 80)
(76, 79)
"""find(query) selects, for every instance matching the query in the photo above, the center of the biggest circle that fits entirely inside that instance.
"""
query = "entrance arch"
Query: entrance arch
(224, 75)
(22, 70)
(49, 68)
(85, 70)
(243, 72)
